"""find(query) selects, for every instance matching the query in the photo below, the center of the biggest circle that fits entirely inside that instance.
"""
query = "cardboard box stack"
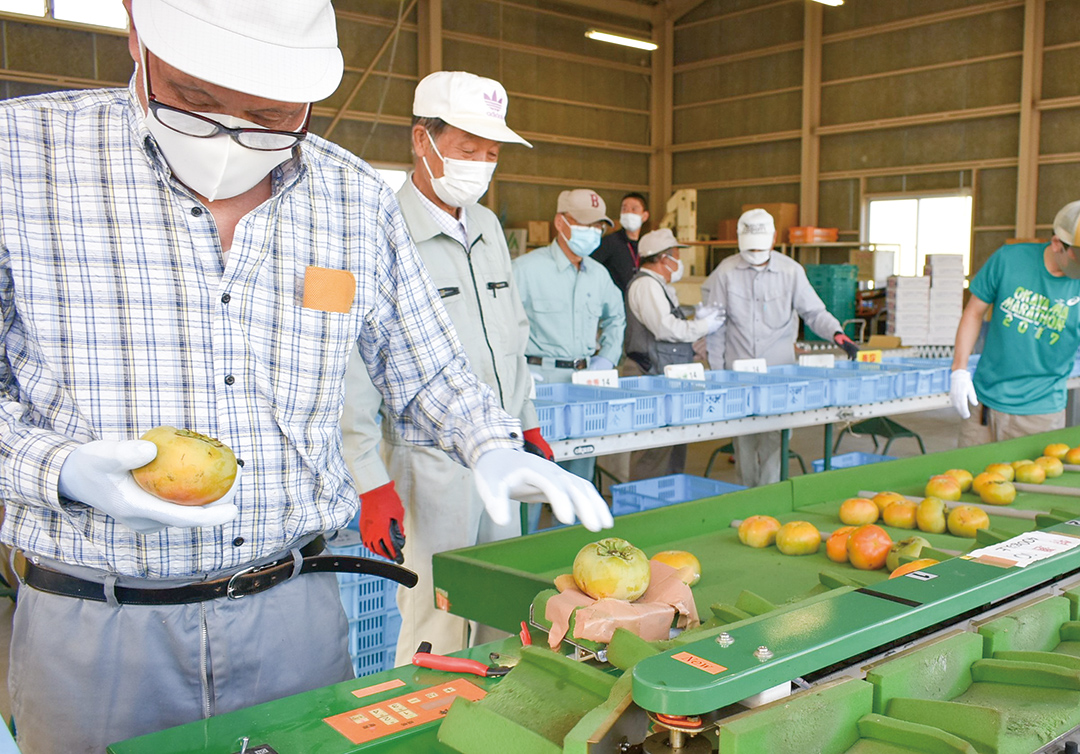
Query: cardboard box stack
(908, 303)
(946, 304)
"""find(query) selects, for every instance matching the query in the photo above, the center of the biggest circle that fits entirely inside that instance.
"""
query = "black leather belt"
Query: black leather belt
(248, 581)
(559, 363)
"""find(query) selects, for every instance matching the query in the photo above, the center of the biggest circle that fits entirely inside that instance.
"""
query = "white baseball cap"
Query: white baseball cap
(584, 205)
(756, 230)
(1067, 223)
(465, 101)
(283, 50)
(657, 242)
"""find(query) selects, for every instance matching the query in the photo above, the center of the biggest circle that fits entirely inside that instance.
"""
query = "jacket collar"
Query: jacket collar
(421, 225)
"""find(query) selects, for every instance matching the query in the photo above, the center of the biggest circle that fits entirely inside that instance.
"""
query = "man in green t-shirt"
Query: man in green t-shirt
(1031, 342)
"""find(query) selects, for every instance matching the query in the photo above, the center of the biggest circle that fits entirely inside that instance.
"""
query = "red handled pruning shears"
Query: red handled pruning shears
(425, 659)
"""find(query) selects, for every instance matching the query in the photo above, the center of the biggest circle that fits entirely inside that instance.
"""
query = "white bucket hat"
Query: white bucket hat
(657, 242)
(283, 50)
(756, 230)
(1067, 223)
(466, 101)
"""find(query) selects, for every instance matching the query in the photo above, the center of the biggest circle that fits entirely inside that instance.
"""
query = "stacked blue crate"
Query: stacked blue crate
(371, 608)
(646, 494)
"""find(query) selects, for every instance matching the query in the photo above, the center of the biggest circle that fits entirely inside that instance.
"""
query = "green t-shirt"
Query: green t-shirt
(1034, 332)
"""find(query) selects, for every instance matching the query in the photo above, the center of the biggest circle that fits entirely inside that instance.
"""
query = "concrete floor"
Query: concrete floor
(938, 430)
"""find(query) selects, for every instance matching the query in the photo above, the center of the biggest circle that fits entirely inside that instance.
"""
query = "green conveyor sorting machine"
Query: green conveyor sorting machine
(979, 653)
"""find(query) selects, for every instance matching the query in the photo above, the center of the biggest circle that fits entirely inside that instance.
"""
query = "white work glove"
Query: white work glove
(714, 319)
(537, 377)
(704, 310)
(599, 362)
(506, 474)
(962, 392)
(98, 474)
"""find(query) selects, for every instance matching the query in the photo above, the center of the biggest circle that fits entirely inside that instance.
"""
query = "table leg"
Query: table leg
(785, 442)
(828, 446)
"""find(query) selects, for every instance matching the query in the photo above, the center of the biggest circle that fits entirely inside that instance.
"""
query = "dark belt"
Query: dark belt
(560, 363)
(248, 581)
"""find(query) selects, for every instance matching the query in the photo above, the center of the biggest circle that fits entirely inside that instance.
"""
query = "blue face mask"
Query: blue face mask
(583, 240)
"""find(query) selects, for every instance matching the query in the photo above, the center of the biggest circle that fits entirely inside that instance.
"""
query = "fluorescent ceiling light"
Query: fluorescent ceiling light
(830, 2)
(619, 39)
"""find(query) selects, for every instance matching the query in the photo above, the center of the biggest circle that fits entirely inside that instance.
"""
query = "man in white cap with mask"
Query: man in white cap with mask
(182, 252)
(761, 295)
(459, 128)
(658, 334)
(1031, 341)
(569, 297)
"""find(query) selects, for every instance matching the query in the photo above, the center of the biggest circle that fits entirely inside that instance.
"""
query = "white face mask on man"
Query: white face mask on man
(215, 167)
(677, 273)
(756, 258)
(630, 221)
(463, 182)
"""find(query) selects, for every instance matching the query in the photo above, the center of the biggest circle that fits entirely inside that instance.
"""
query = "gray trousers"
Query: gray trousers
(86, 674)
(757, 458)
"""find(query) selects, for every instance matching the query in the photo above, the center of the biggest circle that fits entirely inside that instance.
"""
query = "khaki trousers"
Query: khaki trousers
(757, 458)
(1001, 426)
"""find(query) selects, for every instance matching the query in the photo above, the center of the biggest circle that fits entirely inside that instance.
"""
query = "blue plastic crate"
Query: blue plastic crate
(553, 420)
(905, 382)
(934, 374)
(646, 494)
(693, 401)
(851, 460)
(846, 388)
(593, 411)
(370, 607)
(776, 394)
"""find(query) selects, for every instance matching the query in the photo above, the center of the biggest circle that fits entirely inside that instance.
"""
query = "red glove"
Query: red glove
(381, 516)
(848, 345)
(537, 445)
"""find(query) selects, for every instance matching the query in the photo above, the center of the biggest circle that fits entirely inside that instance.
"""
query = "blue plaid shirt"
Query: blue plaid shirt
(118, 315)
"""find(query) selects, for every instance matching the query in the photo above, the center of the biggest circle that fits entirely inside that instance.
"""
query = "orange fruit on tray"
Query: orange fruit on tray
(1072, 457)
(915, 565)
(963, 476)
(1031, 473)
(1052, 466)
(1056, 450)
(998, 493)
(943, 486)
(758, 531)
(884, 499)
(836, 545)
(856, 511)
(932, 515)
(985, 478)
(868, 546)
(900, 515)
(798, 538)
(965, 520)
(1005, 469)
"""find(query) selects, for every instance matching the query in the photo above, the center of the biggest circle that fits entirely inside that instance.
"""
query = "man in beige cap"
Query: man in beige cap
(658, 333)
(1033, 290)
(182, 252)
(569, 297)
(459, 128)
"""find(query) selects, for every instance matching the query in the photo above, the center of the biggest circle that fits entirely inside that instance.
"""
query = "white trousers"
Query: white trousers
(443, 511)
(757, 458)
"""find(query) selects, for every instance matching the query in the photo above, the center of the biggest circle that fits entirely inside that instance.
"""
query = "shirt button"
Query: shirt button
(225, 298)
(229, 379)
(238, 541)
(196, 211)
(514, 435)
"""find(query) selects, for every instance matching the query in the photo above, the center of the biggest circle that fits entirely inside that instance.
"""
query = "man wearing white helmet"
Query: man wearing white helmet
(459, 128)
(183, 252)
(1031, 340)
(761, 295)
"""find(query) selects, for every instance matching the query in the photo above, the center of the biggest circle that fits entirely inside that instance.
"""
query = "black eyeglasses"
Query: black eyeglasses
(192, 124)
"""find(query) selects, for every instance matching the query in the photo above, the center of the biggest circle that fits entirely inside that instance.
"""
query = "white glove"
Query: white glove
(599, 362)
(704, 310)
(537, 377)
(98, 474)
(714, 319)
(504, 474)
(962, 392)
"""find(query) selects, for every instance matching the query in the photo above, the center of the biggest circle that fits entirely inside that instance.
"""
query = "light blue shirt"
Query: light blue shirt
(567, 305)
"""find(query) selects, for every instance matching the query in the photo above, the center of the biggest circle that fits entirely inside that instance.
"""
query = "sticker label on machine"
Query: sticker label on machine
(1024, 549)
(699, 662)
(403, 712)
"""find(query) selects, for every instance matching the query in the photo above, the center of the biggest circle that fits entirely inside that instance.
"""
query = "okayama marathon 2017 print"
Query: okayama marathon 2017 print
(1035, 309)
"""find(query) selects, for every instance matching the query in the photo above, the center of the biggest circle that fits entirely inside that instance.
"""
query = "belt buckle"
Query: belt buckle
(230, 588)
(580, 364)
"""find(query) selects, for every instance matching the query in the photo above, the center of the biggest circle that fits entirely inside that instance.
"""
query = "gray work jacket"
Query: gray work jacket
(762, 310)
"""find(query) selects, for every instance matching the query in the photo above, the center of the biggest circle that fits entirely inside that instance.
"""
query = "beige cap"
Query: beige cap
(283, 50)
(658, 241)
(584, 205)
(756, 230)
(465, 101)
(1067, 223)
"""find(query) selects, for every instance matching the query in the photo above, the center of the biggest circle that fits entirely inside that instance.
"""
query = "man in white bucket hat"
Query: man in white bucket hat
(459, 129)
(182, 252)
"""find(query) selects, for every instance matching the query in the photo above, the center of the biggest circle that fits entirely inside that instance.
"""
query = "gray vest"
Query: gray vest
(641, 345)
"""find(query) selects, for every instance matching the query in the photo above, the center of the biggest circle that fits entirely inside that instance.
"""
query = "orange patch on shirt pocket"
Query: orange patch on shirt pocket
(329, 290)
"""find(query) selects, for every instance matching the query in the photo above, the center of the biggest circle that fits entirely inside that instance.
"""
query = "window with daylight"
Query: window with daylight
(394, 177)
(108, 13)
(921, 225)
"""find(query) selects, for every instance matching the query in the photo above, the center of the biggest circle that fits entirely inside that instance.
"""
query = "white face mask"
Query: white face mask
(463, 182)
(677, 273)
(630, 221)
(755, 258)
(217, 167)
